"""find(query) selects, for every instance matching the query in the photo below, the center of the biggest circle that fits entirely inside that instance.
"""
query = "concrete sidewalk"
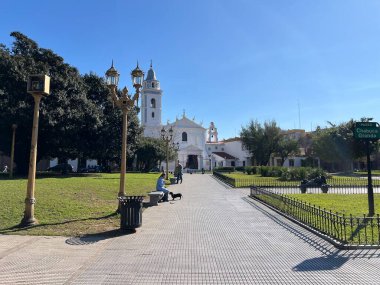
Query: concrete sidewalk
(214, 235)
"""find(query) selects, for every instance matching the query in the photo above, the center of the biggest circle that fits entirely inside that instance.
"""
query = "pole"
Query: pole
(167, 158)
(123, 154)
(371, 204)
(14, 126)
(29, 218)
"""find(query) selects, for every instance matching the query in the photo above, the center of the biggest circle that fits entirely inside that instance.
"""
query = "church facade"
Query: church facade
(187, 134)
(196, 148)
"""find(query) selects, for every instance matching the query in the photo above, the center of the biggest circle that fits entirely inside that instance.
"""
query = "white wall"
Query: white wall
(74, 163)
(235, 148)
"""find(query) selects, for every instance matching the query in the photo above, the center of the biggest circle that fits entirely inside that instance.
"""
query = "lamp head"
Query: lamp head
(163, 132)
(171, 132)
(137, 76)
(112, 77)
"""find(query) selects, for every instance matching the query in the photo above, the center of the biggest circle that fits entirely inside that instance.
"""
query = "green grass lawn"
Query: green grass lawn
(355, 204)
(364, 173)
(355, 230)
(244, 180)
(69, 206)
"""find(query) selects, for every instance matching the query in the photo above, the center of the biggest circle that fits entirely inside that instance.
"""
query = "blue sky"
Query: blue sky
(301, 63)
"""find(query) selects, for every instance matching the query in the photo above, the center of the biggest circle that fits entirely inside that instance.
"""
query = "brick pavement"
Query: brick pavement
(214, 235)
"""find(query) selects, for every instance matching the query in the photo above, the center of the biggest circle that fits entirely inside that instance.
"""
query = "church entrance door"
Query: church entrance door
(192, 161)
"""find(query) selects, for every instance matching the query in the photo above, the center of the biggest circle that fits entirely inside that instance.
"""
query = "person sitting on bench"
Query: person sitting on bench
(160, 186)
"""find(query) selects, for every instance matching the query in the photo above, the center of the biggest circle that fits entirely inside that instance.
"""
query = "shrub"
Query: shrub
(240, 168)
(316, 172)
(225, 169)
(264, 171)
(272, 171)
(256, 169)
(300, 173)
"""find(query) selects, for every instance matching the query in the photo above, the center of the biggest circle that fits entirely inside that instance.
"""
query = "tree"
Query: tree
(59, 112)
(260, 141)
(76, 120)
(150, 152)
(104, 143)
(287, 147)
(336, 144)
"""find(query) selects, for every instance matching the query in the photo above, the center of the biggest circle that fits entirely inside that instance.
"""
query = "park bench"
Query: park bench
(154, 197)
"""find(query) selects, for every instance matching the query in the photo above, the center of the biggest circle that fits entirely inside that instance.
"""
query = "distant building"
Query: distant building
(304, 150)
(230, 152)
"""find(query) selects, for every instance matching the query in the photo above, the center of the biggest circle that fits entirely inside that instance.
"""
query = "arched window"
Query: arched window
(152, 114)
(152, 84)
(184, 137)
(153, 103)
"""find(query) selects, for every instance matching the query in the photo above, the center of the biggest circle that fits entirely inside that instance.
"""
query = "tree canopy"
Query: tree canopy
(151, 152)
(336, 144)
(286, 147)
(261, 141)
(76, 120)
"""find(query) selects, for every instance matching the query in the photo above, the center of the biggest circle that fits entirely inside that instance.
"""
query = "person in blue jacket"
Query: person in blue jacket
(160, 186)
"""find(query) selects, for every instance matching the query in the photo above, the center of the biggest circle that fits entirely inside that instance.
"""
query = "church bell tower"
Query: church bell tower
(212, 133)
(151, 102)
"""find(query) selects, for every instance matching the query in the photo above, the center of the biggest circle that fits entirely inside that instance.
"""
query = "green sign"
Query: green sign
(367, 130)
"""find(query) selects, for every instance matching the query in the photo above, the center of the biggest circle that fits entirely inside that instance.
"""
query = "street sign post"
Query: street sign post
(368, 131)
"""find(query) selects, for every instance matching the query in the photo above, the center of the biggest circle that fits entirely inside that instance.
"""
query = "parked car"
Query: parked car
(91, 169)
(62, 167)
(94, 169)
(154, 169)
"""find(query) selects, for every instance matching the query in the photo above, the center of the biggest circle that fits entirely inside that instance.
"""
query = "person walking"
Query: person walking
(179, 172)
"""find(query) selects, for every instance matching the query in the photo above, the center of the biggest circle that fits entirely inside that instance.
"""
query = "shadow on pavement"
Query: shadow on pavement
(332, 258)
(17, 228)
(323, 263)
(94, 238)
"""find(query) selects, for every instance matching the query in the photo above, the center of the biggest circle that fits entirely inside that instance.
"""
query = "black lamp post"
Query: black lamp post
(14, 127)
(167, 137)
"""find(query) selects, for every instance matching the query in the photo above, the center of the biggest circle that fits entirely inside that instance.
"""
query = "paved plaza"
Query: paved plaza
(214, 235)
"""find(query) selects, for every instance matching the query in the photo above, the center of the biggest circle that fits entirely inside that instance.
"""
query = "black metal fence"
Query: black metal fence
(336, 185)
(228, 180)
(345, 230)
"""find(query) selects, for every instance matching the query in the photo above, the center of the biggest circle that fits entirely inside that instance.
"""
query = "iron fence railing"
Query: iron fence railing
(345, 230)
(336, 185)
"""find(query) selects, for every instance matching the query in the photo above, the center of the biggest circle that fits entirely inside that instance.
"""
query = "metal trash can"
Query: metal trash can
(130, 212)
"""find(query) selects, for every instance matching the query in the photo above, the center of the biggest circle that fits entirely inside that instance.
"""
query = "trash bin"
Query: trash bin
(130, 212)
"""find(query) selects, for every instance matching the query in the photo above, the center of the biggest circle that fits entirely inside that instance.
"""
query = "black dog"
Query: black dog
(178, 195)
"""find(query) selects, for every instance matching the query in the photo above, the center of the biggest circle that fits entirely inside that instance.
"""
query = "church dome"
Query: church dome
(151, 74)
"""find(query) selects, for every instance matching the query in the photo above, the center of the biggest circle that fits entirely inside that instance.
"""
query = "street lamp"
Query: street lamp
(38, 86)
(175, 146)
(125, 103)
(14, 127)
(167, 136)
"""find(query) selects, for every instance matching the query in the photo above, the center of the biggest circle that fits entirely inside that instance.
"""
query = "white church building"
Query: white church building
(195, 152)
